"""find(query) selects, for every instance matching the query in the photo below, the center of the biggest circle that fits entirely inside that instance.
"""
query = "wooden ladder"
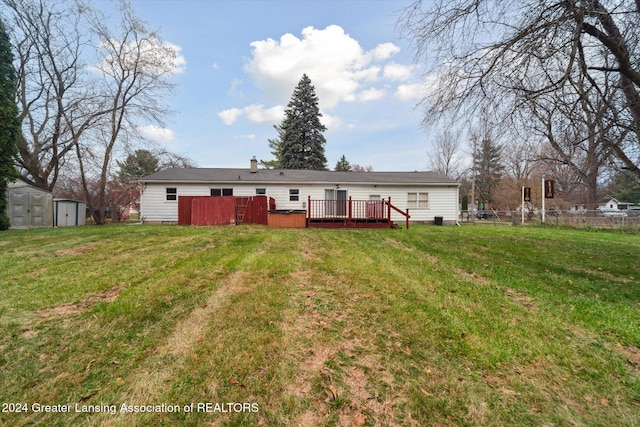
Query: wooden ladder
(241, 208)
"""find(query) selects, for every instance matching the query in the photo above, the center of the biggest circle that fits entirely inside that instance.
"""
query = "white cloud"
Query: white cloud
(234, 89)
(179, 61)
(334, 61)
(371, 94)
(398, 72)
(156, 133)
(384, 51)
(410, 92)
(331, 122)
(249, 136)
(339, 68)
(230, 116)
(258, 114)
(417, 91)
(254, 113)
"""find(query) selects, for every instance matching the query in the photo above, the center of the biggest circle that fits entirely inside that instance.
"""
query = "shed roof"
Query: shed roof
(68, 201)
(19, 183)
(293, 176)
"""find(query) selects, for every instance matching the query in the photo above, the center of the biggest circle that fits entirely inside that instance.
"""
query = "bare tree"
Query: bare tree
(444, 156)
(84, 88)
(502, 55)
(518, 160)
(355, 167)
(48, 45)
(173, 160)
(575, 123)
(134, 69)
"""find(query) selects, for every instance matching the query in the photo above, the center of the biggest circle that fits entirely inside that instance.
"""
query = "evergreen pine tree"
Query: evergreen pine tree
(9, 124)
(343, 165)
(137, 165)
(489, 168)
(276, 150)
(300, 142)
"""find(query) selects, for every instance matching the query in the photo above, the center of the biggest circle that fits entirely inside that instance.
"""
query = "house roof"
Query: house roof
(293, 176)
(608, 199)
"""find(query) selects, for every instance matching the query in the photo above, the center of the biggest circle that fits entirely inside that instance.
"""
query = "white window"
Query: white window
(418, 200)
(294, 195)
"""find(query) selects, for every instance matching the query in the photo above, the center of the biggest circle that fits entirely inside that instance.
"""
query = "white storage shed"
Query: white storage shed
(29, 206)
(68, 212)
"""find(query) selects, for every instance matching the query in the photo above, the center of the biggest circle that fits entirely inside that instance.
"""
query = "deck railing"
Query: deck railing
(352, 210)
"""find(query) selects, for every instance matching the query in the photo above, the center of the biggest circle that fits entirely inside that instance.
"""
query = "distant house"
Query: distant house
(426, 195)
(29, 206)
(609, 203)
(579, 208)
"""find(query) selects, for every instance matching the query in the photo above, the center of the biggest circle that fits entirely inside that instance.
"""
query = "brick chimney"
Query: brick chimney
(254, 165)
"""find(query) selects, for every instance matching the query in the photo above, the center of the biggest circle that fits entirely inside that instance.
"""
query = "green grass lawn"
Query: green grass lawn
(254, 326)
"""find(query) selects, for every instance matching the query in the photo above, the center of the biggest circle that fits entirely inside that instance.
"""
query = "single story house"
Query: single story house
(608, 203)
(29, 206)
(426, 195)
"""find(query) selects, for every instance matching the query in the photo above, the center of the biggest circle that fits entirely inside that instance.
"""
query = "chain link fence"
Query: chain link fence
(618, 219)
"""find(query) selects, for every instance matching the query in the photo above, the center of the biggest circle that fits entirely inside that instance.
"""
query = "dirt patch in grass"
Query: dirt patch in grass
(345, 384)
(520, 298)
(73, 309)
(399, 245)
(77, 250)
(337, 371)
(155, 376)
(65, 311)
(365, 406)
(609, 277)
(481, 280)
(631, 354)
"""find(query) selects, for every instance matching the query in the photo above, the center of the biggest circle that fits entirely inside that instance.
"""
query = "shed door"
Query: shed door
(67, 214)
(39, 212)
(19, 209)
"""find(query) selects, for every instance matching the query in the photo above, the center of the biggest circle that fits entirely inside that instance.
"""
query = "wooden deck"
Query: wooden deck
(349, 213)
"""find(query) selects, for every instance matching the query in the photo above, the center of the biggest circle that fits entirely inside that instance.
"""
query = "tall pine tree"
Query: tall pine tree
(300, 143)
(137, 165)
(9, 124)
(276, 150)
(489, 168)
(343, 165)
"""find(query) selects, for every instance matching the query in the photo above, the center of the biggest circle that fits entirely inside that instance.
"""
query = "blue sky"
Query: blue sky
(240, 61)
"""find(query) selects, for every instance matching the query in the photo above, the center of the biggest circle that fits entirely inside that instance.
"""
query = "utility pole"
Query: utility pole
(522, 206)
(473, 180)
(543, 194)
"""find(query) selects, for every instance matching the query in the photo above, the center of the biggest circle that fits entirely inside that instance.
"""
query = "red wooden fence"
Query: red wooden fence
(220, 210)
(223, 210)
(184, 209)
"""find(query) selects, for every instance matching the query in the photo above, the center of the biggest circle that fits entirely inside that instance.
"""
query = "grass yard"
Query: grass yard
(165, 325)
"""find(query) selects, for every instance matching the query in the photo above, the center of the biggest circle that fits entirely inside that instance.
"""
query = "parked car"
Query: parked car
(610, 212)
(633, 211)
(484, 214)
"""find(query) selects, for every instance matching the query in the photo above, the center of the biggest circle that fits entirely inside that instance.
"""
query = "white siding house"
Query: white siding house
(425, 194)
